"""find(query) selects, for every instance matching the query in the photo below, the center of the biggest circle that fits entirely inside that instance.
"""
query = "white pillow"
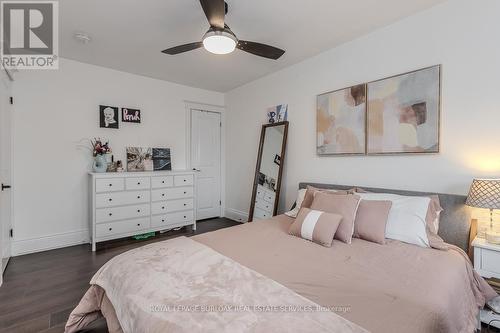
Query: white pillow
(406, 221)
(298, 202)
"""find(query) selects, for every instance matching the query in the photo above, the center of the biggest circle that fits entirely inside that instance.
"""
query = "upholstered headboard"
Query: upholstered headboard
(454, 225)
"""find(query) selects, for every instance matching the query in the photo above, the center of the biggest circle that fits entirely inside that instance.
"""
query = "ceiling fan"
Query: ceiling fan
(219, 39)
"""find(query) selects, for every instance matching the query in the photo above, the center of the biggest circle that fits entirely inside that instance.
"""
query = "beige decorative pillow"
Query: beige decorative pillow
(345, 205)
(316, 226)
(311, 192)
(371, 219)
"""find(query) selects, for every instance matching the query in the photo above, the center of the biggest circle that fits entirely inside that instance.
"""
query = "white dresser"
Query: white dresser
(131, 203)
(264, 203)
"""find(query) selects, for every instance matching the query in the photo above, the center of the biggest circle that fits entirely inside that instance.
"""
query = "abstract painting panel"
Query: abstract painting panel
(161, 159)
(139, 159)
(340, 121)
(403, 113)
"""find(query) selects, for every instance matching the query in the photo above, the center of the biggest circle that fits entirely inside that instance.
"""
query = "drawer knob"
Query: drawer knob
(138, 197)
(110, 184)
(138, 224)
(163, 182)
(138, 183)
(138, 211)
(110, 214)
(185, 192)
(163, 207)
(110, 229)
(163, 220)
(110, 199)
(185, 180)
(185, 204)
(184, 216)
(163, 194)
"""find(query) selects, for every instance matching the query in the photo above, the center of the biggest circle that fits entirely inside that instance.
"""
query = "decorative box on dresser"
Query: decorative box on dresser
(131, 203)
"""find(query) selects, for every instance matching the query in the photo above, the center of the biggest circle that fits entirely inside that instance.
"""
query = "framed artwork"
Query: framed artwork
(139, 159)
(340, 121)
(161, 159)
(131, 115)
(403, 113)
(277, 114)
(108, 116)
(277, 159)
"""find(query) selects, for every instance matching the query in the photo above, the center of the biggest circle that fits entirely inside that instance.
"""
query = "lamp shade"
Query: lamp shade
(484, 193)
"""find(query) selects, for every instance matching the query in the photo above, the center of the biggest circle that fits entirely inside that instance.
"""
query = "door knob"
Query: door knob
(4, 187)
(197, 170)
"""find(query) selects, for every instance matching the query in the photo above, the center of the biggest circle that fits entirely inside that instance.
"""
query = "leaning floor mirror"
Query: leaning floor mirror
(267, 181)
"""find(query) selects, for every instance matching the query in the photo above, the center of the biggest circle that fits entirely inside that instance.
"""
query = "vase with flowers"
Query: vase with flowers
(100, 150)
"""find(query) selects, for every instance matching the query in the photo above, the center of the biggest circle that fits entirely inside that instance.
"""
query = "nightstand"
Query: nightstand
(486, 258)
(487, 264)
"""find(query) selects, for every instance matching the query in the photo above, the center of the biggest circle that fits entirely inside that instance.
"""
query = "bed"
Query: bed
(395, 287)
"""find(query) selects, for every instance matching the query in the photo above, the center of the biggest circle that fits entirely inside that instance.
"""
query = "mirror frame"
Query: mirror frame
(259, 161)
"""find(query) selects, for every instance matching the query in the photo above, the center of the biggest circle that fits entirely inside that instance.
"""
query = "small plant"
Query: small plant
(99, 148)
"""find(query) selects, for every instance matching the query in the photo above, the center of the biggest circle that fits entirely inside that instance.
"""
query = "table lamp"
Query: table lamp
(485, 193)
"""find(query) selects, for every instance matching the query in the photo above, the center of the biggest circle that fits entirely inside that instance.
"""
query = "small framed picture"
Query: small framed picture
(108, 116)
(277, 159)
(131, 115)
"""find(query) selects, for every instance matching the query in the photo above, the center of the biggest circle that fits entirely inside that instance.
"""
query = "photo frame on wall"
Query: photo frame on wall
(131, 115)
(341, 121)
(395, 115)
(108, 117)
(403, 114)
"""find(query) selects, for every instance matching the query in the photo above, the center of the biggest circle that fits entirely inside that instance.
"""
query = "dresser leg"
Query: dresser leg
(193, 227)
(93, 246)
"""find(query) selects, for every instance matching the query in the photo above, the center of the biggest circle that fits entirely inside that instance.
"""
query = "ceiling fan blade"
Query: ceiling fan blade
(215, 10)
(183, 48)
(261, 50)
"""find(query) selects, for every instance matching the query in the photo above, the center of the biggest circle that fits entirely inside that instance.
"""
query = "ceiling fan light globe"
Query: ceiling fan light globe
(219, 42)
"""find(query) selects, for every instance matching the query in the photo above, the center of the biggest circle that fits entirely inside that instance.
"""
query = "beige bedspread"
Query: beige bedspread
(395, 287)
(181, 285)
(386, 288)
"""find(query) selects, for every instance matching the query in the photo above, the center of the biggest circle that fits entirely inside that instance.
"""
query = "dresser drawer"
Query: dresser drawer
(260, 192)
(269, 196)
(109, 185)
(139, 183)
(121, 213)
(261, 214)
(490, 261)
(172, 193)
(172, 219)
(121, 198)
(161, 182)
(183, 180)
(171, 206)
(264, 205)
(121, 227)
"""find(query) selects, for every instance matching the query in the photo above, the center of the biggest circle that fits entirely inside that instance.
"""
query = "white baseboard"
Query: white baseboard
(39, 244)
(236, 215)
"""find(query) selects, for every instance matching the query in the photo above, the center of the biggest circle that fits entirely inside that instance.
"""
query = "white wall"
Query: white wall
(54, 113)
(462, 35)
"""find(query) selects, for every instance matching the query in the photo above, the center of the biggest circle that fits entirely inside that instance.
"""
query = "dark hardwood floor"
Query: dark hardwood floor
(40, 290)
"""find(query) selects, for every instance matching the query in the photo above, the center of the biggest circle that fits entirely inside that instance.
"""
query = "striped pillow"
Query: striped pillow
(316, 226)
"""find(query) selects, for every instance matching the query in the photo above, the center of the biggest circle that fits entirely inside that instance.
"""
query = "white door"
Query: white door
(206, 159)
(5, 167)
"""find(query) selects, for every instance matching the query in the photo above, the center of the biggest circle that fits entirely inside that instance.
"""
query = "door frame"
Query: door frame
(222, 111)
(10, 78)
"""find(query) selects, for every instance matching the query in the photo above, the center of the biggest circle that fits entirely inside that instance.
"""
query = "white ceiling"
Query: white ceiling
(129, 35)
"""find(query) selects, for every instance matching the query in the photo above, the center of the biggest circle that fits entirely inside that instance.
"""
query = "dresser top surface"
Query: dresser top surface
(139, 174)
